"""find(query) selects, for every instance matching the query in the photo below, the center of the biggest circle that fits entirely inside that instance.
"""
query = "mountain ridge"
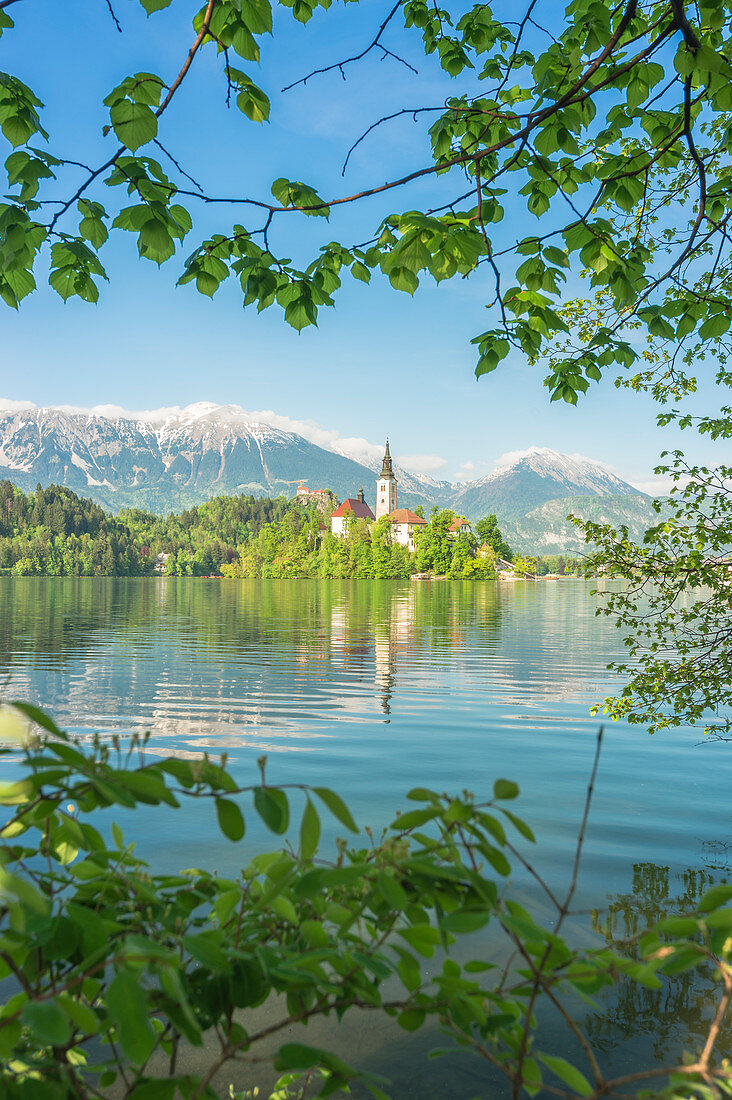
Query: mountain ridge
(173, 458)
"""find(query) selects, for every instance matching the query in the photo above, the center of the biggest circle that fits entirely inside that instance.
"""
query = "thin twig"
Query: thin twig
(116, 21)
(414, 111)
(356, 57)
(182, 171)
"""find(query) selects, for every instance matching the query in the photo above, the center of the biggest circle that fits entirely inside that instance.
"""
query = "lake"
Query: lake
(373, 688)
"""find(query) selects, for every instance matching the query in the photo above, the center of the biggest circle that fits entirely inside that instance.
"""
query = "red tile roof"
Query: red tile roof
(359, 509)
(403, 515)
(458, 523)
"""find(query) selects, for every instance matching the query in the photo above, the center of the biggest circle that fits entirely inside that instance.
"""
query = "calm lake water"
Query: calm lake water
(373, 688)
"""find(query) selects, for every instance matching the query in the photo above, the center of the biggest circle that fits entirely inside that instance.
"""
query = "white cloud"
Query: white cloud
(422, 464)
(467, 465)
(656, 486)
(6, 405)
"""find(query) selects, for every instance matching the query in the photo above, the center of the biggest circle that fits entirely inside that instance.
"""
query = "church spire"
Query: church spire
(386, 470)
(386, 486)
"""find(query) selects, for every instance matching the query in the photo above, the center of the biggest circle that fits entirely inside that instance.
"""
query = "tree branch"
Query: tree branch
(356, 57)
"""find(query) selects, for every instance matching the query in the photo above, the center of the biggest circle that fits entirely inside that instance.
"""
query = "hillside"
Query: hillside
(545, 530)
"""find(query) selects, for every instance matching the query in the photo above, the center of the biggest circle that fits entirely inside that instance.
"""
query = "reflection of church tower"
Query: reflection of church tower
(385, 669)
(386, 487)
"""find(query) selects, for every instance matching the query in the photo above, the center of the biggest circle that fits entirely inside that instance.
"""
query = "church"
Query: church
(404, 523)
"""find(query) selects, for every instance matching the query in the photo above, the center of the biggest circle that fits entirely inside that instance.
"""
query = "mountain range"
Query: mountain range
(173, 459)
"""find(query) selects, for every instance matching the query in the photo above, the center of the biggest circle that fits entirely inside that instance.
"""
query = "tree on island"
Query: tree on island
(488, 534)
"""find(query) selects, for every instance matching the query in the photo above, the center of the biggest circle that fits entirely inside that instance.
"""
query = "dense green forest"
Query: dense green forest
(54, 532)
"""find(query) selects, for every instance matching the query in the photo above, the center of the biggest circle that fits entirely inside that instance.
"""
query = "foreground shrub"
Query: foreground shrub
(109, 967)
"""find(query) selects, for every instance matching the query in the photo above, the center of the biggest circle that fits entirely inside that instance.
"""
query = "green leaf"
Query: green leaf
(134, 123)
(391, 891)
(465, 920)
(411, 1019)
(154, 234)
(520, 826)
(48, 1022)
(284, 908)
(313, 933)
(230, 818)
(83, 1017)
(298, 1056)
(128, 1008)
(273, 808)
(337, 807)
(421, 794)
(505, 789)
(205, 947)
(155, 1088)
(43, 720)
(567, 1073)
(422, 937)
(412, 819)
(401, 278)
(714, 898)
(716, 325)
(252, 102)
(309, 831)
(154, 5)
(360, 272)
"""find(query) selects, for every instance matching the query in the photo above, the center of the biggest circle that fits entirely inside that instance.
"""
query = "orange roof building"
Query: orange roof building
(356, 507)
(359, 508)
(403, 525)
(459, 526)
(403, 515)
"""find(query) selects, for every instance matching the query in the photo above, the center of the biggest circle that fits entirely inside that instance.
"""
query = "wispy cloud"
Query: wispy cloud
(6, 405)
(656, 486)
(422, 464)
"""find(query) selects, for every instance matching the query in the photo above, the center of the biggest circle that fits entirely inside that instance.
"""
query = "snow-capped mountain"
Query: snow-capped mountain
(168, 459)
(174, 458)
(534, 477)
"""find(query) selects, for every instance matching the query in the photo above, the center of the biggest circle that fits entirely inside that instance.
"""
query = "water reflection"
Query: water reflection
(676, 1017)
(376, 687)
(199, 660)
(372, 688)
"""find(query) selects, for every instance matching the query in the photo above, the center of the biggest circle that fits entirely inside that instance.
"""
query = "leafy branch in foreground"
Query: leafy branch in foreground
(675, 607)
(112, 969)
(609, 125)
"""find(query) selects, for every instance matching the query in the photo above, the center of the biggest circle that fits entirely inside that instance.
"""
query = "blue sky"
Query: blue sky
(381, 362)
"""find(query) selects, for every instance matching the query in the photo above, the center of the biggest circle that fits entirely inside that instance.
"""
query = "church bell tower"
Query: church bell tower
(386, 487)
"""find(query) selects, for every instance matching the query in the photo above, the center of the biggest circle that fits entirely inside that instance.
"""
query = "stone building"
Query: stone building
(322, 499)
(403, 526)
(404, 523)
(386, 487)
(459, 526)
(357, 508)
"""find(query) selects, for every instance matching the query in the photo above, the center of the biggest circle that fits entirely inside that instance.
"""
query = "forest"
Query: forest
(54, 532)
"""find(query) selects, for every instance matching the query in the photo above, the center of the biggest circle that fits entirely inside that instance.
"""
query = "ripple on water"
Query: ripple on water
(373, 688)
